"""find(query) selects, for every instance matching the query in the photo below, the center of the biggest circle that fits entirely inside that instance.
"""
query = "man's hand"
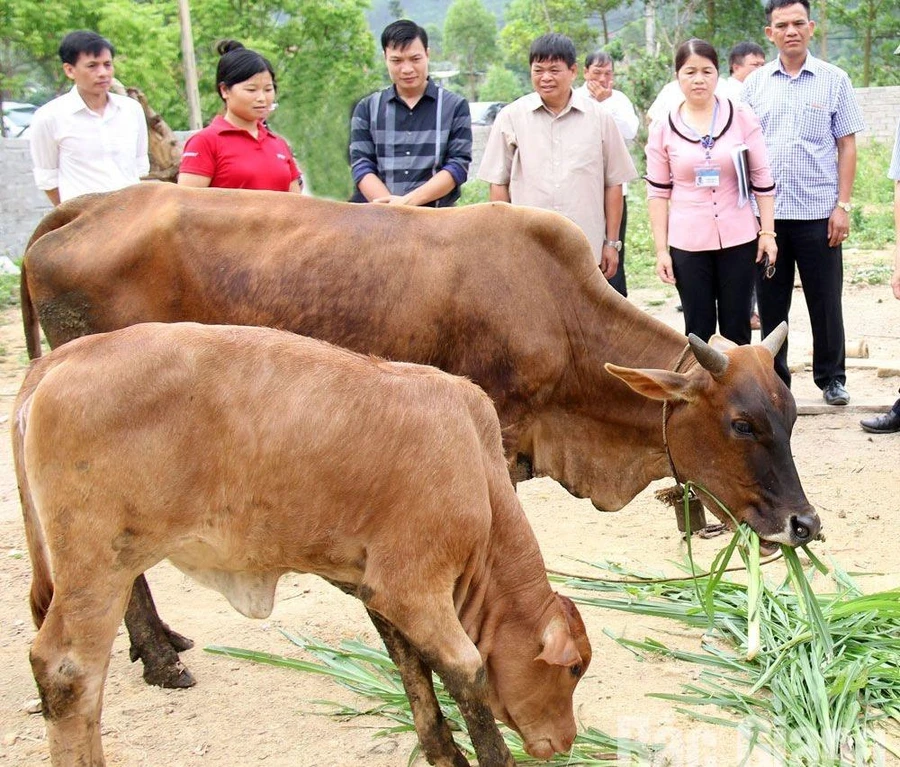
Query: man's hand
(838, 227)
(394, 199)
(597, 91)
(609, 261)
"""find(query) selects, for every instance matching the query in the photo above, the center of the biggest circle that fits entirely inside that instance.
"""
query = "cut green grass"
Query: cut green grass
(370, 673)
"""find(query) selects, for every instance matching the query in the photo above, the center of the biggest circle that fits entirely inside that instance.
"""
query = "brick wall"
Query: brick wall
(22, 205)
(881, 107)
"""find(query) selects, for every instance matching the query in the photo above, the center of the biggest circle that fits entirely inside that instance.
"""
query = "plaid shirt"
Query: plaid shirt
(894, 171)
(802, 117)
(401, 145)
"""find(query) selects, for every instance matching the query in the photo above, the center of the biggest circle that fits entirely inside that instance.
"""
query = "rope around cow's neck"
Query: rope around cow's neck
(665, 421)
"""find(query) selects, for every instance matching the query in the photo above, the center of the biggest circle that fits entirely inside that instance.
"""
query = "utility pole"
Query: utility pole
(650, 26)
(195, 120)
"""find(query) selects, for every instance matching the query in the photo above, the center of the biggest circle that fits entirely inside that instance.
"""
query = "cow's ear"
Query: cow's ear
(655, 384)
(721, 344)
(557, 646)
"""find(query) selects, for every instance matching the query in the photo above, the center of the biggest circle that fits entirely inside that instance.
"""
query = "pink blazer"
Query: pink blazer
(707, 218)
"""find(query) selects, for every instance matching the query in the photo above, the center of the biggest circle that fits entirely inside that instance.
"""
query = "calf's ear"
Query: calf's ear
(557, 646)
(655, 384)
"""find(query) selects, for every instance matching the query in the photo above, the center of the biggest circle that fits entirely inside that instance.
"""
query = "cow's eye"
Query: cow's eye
(744, 428)
(576, 670)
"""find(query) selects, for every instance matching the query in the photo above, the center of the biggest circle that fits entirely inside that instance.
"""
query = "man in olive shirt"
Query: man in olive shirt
(559, 150)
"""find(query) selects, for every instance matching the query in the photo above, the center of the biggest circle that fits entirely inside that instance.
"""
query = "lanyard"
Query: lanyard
(706, 141)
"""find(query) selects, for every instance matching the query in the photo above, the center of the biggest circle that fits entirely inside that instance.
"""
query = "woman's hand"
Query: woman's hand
(664, 267)
(766, 250)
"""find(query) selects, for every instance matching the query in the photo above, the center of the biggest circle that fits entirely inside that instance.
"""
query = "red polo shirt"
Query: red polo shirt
(233, 159)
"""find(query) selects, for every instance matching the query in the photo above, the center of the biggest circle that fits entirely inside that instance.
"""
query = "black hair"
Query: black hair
(401, 33)
(553, 47)
(695, 47)
(83, 41)
(772, 5)
(237, 64)
(600, 58)
(741, 51)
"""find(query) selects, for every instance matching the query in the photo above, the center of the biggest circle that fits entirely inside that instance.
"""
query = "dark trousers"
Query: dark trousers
(804, 244)
(716, 283)
(618, 279)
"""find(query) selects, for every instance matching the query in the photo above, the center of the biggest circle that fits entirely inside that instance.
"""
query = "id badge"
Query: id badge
(707, 176)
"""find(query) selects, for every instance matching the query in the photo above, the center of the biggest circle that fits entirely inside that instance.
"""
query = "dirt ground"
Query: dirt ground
(243, 714)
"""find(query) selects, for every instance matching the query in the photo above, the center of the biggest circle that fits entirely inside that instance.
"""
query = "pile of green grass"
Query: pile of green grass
(811, 678)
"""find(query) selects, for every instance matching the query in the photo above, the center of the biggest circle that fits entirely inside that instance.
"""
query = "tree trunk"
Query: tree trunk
(822, 29)
(650, 26)
(195, 119)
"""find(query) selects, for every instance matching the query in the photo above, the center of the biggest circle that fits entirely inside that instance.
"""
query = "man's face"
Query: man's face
(790, 30)
(602, 74)
(552, 80)
(751, 61)
(92, 74)
(408, 67)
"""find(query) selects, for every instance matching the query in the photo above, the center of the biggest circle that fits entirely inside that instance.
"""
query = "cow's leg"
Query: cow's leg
(439, 639)
(154, 642)
(431, 727)
(69, 659)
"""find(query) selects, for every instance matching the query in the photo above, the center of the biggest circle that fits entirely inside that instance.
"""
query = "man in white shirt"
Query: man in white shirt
(88, 140)
(599, 79)
(744, 58)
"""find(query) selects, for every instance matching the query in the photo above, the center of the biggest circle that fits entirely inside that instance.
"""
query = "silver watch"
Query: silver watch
(846, 206)
(617, 244)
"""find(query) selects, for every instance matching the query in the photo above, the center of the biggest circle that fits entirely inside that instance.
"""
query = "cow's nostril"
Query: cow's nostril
(805, 527)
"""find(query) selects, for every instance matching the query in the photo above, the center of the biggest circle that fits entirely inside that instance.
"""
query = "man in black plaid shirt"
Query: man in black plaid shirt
(410, 144)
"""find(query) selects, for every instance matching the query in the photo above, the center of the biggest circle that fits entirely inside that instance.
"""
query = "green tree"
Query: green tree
(470, 40)
(874, 26)
(395, 8)
(501, 84)
(603, 8)
(527, 20)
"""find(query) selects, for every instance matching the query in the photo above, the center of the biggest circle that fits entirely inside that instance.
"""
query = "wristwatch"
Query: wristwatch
(616, 244)
(845, 206)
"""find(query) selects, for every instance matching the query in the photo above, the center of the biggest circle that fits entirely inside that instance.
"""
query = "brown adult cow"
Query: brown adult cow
(256, 452)
(509, 297)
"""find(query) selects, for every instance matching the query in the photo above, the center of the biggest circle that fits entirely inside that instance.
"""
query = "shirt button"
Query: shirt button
(406, 172)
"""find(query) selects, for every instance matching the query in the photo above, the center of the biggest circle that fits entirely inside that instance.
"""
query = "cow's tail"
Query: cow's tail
(41, 577)
(55, 219)
(30, 323)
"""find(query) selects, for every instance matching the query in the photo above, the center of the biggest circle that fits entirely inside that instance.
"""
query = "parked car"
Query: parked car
(485, 112)
(17, 118)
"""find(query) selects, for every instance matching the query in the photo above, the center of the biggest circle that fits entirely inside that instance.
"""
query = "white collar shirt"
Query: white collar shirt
(77, 150)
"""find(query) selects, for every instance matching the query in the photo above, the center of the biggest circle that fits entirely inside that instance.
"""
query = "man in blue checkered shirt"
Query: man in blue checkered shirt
(410, 144)
(809, 118)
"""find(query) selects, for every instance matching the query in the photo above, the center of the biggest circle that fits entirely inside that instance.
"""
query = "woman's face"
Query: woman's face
(250, 100)
(698, 77)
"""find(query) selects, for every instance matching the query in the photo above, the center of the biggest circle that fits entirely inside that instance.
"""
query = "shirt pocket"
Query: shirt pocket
(814, 123)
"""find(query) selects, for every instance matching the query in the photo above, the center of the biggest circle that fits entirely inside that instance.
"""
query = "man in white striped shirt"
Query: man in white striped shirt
(809, 117)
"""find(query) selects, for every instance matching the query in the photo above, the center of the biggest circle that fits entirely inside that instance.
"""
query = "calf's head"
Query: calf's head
(729, 430)
(532, 674)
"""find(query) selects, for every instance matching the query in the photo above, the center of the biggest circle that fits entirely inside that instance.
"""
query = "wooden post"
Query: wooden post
(195, 119)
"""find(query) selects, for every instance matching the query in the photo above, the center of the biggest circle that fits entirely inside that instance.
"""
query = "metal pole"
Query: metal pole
(195, 120)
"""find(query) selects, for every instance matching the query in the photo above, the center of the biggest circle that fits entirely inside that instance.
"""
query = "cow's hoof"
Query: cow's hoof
(173, 676)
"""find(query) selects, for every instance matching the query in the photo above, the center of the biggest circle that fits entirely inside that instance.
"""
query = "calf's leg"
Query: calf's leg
(431, 726)
(69, 659)
(154, 642)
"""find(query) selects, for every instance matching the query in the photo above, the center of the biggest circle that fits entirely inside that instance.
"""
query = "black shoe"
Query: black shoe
(835, 393)
(887, 423)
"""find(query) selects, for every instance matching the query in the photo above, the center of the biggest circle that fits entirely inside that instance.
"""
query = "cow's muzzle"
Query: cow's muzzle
(804, 528)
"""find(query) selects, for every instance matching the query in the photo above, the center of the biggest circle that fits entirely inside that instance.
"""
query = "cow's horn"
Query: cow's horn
(710, 359)
(775, 340)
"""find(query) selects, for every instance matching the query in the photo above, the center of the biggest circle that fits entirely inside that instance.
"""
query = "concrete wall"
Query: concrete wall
(22, 205)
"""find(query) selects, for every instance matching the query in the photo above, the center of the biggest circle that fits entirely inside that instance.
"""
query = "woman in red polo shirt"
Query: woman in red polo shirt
(236, 150)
